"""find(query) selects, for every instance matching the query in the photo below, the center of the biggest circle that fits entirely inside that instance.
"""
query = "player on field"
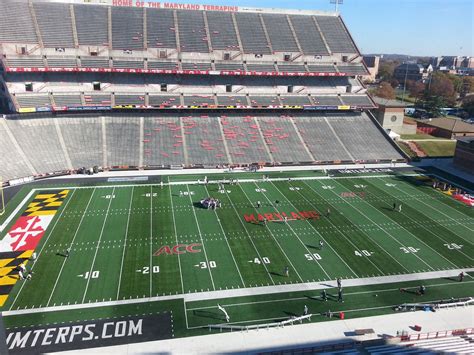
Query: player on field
(394, 206)
(400, 208)
(305, 310)
(20, 275)
(339, 295)
(68, 251)
(328, 212)
(324, 295)
(180, 193)
(461, 276)
(286, 271)
(339, 283)
(227, 318)
(321, 244)
(258, 204)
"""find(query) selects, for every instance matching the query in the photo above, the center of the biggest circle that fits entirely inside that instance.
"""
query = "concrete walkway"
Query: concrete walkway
(305, 335)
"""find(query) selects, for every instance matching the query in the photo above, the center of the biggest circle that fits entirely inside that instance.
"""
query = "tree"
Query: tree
(440, 85)
(433, 103)
(386, 69)
(416, 89)
(468, 105)
(385, 90)
(467, 86)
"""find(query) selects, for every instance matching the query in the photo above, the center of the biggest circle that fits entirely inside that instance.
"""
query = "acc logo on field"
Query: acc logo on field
(178, 249)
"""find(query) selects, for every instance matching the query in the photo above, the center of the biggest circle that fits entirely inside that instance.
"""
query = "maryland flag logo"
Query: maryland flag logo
(20, 242)
(28, 230)
(9, 266)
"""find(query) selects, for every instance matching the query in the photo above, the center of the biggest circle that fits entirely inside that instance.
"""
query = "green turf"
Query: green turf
(116, 230)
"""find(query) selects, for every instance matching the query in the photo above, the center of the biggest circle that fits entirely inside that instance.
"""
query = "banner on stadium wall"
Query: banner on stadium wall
(20, 242)
(27, 110)
(169, 5)
(167, 71)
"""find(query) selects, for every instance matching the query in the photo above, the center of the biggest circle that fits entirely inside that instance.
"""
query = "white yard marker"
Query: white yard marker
(72, 242)
(125, 242)
(202, 241)
(97, 247)
(225, 237)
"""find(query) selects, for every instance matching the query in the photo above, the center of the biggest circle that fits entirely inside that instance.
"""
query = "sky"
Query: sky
(413, 27)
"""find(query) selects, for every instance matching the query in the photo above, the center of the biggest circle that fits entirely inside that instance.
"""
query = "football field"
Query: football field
(122, 242)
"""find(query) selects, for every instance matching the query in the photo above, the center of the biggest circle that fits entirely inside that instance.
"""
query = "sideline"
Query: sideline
(252, 291)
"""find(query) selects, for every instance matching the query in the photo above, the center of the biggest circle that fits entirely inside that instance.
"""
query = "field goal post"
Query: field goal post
(2, 199)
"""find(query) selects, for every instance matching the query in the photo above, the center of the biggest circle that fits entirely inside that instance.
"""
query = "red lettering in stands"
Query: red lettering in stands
(122, 2)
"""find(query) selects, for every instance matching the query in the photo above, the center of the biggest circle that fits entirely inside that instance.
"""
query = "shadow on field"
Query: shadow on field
(61, 254)
(207, 314)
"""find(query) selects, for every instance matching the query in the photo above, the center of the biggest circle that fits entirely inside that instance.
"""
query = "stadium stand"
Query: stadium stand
(55, 24)
(64, 56)
(161, 32)
(252, 33)
(127, 28)
(92, 25)
(16, 23)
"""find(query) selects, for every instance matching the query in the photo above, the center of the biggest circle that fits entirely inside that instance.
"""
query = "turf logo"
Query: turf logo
(178, 249)
(255, 218)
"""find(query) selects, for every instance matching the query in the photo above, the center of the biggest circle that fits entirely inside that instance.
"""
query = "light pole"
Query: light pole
(336, 3)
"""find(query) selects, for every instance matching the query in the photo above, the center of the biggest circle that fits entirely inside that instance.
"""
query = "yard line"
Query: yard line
(434, 208)
(348, 239)
(249, 237)
(98, 244)
(328, 244)
(296, 235)
(388, 233)
(125, 242)
(72, 242)
(225, 237)
(414, 220)
(44, 244)
(179, 259)
(151, 240)
(202, 240)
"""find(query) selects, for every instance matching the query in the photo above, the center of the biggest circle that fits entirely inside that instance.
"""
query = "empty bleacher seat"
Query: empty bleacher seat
(128, 64)
(261, 67)
(229, 66)
(25, 62)
(335, 34)
(279, 32)
(16, 23)
(198, 100)
(97, 100)
(196, 66)
(321, 68)
(161, 32)
(13, 164)
(123, 140)
(326, 100)
(163, 141)
(251, 33)
(129, 99)
(291, 68)
(152, 64)
(234, 100)
(357, 100)
(308, 35)
(164, 100)
(55, 24)
(222, 31)
(67, 100)
(295, 100)
(127, 28)
(92, 25)
(204, 141)
(94, 62)
(192, 32)
(33, 100)
(61, 62)
(264, 100)
(352, 69)
(283, 140)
